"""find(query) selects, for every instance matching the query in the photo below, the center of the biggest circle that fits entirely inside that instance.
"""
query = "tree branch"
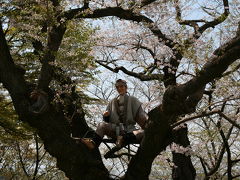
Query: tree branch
(218, 163)
(12, 76)
(122, 14)
(214, 68)
(233, 70)
(236, 176)
(55, 2)
(58, 142)
(146, 2)
(140, 76)
(216, 21)
(54, 41)
(229, 120)
(220, 157)
(203, 165)
(229, 160)
(193, 23)
(169, 78)
(235, 161)
(21, 160)
(203, 114)
(37, 157)
(174, 100)
(152, 66)
(137, 46)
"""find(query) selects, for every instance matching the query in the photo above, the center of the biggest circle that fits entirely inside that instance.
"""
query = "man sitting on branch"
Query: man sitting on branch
(120, 118)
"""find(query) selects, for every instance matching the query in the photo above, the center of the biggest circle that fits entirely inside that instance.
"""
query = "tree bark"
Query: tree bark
(157, 137)
(178, 100)
(183, 168)
(52, 127)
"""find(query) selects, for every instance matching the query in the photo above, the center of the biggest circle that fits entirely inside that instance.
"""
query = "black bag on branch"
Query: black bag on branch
(106, 119)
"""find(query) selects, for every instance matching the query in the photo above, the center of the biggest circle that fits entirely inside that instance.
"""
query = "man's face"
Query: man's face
(121, 89)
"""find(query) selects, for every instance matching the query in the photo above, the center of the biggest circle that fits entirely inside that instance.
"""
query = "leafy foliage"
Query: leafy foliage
(26, 25)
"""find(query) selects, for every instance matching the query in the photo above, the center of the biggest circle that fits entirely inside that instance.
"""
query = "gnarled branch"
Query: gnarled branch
(140, 76)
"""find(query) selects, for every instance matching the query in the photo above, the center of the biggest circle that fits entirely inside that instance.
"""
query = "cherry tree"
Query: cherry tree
(163, 41)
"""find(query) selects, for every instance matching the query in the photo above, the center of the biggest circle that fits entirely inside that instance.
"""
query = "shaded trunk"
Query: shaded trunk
(183, 168)
(73, 158)
(53, 128)
(157, 137)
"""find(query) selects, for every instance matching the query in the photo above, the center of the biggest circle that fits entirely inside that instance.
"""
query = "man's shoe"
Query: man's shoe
(88, 142)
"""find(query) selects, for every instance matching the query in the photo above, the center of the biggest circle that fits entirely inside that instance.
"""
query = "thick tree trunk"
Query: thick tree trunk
(183, 168)
(52, 127)
(157, 137)
(73, 158)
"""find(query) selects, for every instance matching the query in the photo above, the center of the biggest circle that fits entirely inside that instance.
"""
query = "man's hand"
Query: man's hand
(106, 113)
(106, 116)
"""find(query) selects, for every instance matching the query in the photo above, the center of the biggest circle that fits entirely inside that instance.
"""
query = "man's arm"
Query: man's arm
(141, 117)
